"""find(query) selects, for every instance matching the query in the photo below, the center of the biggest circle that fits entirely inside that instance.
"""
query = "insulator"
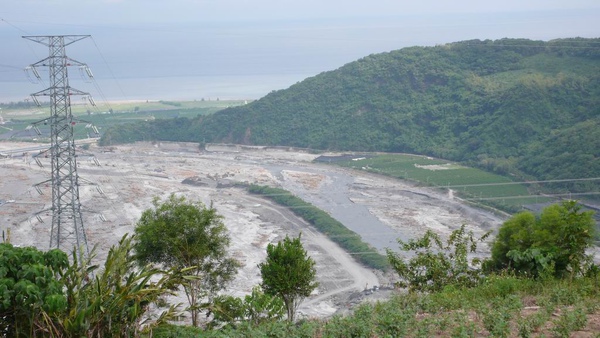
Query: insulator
(39, 190)
(36, 101)
(89, 72)
(91, 101)
(37, 160)
(35, 72)
(39, 218)
(31, 79)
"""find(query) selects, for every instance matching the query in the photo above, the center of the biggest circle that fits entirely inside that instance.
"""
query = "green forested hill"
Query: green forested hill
(509, 105)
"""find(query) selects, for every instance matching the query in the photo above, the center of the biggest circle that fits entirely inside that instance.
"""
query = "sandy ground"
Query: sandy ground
(130, 176)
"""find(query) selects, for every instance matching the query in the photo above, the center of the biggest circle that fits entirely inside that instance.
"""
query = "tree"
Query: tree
(288, 273)
(553, 243)
(29, 289)
(180, 234)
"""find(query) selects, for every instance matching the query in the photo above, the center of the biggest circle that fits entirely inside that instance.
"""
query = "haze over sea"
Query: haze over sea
(247, 60)
(177, 88)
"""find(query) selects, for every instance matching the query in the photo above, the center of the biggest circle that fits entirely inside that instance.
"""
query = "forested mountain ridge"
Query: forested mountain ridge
(506, 105)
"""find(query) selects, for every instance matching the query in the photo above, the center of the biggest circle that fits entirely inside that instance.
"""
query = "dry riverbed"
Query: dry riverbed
(130, 176)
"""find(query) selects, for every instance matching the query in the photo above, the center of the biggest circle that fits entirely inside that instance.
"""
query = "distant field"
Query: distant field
(82, 108)
(469, 183)
(107, 114)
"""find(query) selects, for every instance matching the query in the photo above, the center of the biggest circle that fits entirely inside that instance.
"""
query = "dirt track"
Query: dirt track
(130, 176)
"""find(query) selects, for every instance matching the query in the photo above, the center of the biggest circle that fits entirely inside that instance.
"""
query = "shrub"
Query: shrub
(552, 244)
(434, 264)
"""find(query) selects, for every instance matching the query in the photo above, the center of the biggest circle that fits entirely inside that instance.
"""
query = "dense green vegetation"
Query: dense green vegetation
(336, 231)
(529, 108)
(29, 288)
(554, 243)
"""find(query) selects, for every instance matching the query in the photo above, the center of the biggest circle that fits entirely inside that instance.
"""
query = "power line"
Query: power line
(482, 184)
(9, 66)
(109, 69)
(13, 26)
(23, 32)
(532, 196)
(517, 183)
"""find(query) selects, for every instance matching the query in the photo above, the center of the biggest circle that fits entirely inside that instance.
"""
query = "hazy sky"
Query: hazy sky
(162, 11)
(159, 38)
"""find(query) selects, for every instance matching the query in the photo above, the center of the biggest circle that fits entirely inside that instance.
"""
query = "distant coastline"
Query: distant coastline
(176, 88)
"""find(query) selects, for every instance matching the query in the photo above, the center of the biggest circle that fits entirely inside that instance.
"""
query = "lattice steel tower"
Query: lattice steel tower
(67, 230)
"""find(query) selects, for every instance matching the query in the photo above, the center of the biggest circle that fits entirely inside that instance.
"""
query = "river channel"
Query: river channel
(334, 197)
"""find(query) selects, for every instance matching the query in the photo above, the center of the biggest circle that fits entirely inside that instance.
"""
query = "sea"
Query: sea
(175, 63)
(175, 88)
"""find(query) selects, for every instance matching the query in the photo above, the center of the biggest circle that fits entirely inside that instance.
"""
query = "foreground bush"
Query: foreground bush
(501, 306)
(554, 243)
(29, 289)
(433, 264)
(42, 294)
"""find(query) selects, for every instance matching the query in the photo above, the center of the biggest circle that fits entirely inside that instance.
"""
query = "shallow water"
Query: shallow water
(334, 198)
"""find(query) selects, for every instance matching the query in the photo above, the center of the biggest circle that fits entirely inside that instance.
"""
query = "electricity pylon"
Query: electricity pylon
(67, 232)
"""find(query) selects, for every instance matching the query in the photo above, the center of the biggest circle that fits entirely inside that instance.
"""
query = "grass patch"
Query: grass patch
(468, 183)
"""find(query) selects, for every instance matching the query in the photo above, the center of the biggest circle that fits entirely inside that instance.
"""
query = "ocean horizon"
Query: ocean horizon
(174, 88)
